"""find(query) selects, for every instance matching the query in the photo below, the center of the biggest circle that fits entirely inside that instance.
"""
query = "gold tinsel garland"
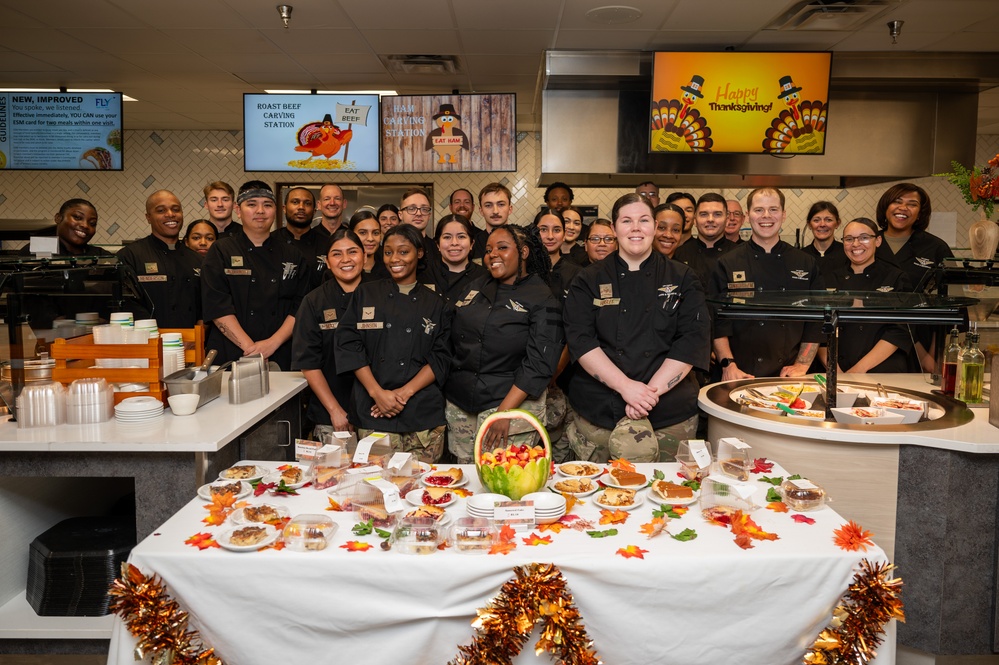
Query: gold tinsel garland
(855, 632)
(537, 593)
(157, 620)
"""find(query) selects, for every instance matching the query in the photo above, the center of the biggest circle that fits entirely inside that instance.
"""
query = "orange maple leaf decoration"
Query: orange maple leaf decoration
(534, 540)
(632, 552)
(680, 510)
(746, 531)
(613, 516)
(356, 546)
(554, 527)
(507, 534)
(215, 519)
(276, 545)
(570, 500)
(462, 492)
(202, 541)
(777, 506)
(654, 528)
(622, 464)
(852, 537)
(506, 542)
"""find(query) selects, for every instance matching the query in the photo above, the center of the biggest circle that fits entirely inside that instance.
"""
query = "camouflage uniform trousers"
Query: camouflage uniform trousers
(462, 427)
(427, 445)
(558, 414)
(593, 444)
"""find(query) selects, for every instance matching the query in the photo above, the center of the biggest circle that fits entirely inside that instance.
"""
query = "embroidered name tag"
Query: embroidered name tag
(799, 274)
(605, 302)
(238, 271)
(152, 278)
(328, 326)
(370, 325)
(741, 285)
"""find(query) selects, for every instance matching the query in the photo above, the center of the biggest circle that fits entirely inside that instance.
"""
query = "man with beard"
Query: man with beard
(168, 271)
(299, 205)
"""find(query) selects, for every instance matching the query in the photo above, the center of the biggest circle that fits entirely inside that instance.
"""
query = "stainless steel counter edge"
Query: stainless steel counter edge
(208, 430)
(977, 436)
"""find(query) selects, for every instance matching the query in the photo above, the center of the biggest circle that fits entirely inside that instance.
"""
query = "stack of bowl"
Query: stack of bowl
(89, 401)
(41, 405)
(548, 506)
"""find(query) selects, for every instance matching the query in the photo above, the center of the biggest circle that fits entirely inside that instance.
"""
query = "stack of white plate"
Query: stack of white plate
(548, 506)
(138, 410)
(481, 505)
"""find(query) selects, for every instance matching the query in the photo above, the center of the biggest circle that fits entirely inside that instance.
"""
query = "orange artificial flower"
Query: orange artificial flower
(202, 541)
(777, 506)
(356, 546)
(680, 510)
(632, 552)
(852, 537)
(534, 540)
(613, 516)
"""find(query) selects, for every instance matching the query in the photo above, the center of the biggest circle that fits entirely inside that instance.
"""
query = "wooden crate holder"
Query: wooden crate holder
(74, 359)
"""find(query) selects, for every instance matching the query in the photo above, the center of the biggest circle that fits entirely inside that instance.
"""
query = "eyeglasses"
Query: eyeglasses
(602, 240)
(648, 195)
(412, 210)
(863, 238)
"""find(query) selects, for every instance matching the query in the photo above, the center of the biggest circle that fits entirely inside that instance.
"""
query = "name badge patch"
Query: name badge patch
(238, 271)
(152, 278)
(328, 326)
(606, 291)
(606, 302)
(370, 325)
(741, 285)
(739, 276)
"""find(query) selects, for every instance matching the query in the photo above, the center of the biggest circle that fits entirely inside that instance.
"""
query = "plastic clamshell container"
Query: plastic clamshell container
(417, 535)
(802, 495)
(689, 467)
(308, 533)
(717, 492)
(734, 458)
(472, 535)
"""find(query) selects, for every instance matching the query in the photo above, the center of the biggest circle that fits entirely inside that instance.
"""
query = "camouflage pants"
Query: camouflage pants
(427, 445)
(558, 414)
(462, 427)
(591, 443)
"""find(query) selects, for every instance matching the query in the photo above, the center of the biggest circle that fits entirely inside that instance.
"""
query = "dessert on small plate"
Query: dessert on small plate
(262, 514)
(624, 479)
(574, 486)
(248, 538)
(219, 487)
(293, 475)
(580, 469)
(614, 498)
(440, 497)
(436, 513)
(450, 477)
(663, 491)
(247, 472)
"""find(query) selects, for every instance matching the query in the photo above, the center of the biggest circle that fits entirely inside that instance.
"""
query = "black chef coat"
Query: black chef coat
(503, 335)
(313, 345)
(561, 277)
(763, 347)
(479, 239)
(857, 339)
(640, 319)
(261, 286)
(450, 284)
(833, 258)
(701, 258)
(396, 334)
(577, 254)
(920, 254)
(170, 277)
(231, 229)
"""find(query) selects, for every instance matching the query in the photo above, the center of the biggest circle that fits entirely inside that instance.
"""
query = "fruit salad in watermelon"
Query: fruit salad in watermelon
(513, 470)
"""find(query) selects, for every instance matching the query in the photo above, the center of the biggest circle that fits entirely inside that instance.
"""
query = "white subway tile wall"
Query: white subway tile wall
(184, 161)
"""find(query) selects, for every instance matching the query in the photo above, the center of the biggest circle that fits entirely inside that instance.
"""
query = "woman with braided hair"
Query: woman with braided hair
(507, 339)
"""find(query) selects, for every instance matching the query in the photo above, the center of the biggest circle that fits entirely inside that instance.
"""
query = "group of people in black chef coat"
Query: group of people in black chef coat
(412, 336)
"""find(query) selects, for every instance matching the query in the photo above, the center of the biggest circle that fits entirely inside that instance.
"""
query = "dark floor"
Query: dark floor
(53, 660)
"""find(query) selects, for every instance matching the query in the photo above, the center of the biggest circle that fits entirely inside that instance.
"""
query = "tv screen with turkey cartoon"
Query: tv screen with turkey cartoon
(731, 102)
(449, 133)
(303, 132)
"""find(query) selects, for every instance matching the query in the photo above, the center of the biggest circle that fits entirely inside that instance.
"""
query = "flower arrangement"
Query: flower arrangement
(979, 185)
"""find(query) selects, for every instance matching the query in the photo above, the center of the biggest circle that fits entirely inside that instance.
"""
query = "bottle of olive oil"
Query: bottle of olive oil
(971, 371)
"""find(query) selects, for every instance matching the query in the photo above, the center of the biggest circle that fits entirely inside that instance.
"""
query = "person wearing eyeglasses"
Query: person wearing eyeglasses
(746, 349)
(870, 346)
(415, 210)
(601, 240)
(702, 252)
(649, 191)
(733, 224)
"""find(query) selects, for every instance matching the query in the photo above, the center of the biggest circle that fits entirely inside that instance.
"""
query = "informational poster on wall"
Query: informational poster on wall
(449, 133)
(56, 131)
(740, 102)
(301, 132)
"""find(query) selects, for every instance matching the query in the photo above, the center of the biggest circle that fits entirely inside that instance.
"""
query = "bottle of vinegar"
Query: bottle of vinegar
(971, 371)
(948, 384)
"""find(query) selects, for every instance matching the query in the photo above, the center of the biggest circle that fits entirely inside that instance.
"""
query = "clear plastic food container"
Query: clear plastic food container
(308, 533)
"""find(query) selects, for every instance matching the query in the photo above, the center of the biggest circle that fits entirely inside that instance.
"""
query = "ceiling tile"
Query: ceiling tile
(491, 65)
(19, 62)
(283, 80)
(259, 62)
(187, 13)
(178, 63)
(654, 15)
(806, 40)
(410, 15)
(631, 40)
(421, 42)
(878, 41)
(672, 40)
(306, 14)
(321, 65)
(318, 40)
(127, 40)
(964, 42)
(725, 14)
(934, 16)
(506, 41)
(77, 13)
(41, 40)
(511, 15)
(355, 81)
(223, 41)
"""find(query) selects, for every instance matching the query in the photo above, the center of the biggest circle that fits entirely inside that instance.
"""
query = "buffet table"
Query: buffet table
(700, 601)
(51, 473)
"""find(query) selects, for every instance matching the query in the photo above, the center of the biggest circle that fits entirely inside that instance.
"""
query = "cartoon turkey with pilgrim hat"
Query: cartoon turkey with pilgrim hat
(691, 93)
(447, 140)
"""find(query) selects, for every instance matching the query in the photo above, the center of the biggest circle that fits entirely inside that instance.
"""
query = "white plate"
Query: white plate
(239, 518)
(445, 519)
(460, 483)
(415, 497)
(593, 484)
(638, 501)
(654, 498)
(609, 481)
(275, 477)
(258, 473)
(600, 469)
(205, 490)
(139, 404)
(272, 535)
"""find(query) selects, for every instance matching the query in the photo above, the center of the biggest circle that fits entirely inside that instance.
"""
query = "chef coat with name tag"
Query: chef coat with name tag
(170, 277)
(920, 254)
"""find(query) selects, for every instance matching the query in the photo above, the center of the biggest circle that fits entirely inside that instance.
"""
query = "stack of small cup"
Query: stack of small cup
(173, 353)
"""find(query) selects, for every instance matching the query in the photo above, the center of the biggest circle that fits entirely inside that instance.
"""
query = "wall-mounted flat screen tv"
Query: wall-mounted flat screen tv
(60, 131)
(449, 133)
(739, 102)
(302, 132)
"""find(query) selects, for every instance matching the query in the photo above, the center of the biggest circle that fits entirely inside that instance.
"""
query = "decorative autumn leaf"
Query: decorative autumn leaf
(502, 547)
(259, 487)
(576, 522)
(534, 540)
(762, 465)
(240, 504)
(654, 528)
(570, 500)
(684, 536)
(613, 516)
(356, 546)
(340, 507)
(363, 528)
(602, 534)
(774, 495)
(282, 489)
(802, 519)
(622, 464)
(202, 541)
(746, 530)
(632, 552)
(852, 537)
(670, 511)
(777, 506)
(215, 518)
(775, 480)
(463, 492)
(554, 527)
(658, 475)
(507, 534)
(692, 484)
(276, 545)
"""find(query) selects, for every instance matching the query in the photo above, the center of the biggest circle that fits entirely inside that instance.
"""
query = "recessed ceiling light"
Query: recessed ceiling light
(614, 14)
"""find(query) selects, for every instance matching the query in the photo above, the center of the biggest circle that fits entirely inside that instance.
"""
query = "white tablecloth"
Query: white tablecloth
(703, 601)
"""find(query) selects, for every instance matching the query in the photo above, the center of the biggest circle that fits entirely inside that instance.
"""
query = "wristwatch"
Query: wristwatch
(725, 362)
